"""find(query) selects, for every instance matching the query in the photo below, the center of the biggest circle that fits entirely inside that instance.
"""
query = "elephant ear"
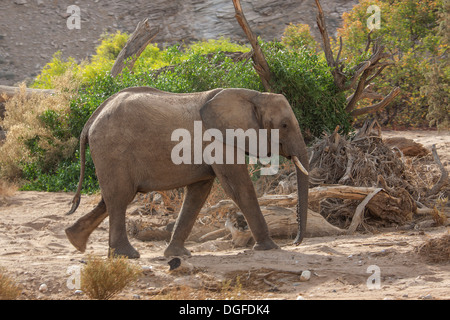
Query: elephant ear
(232, 109)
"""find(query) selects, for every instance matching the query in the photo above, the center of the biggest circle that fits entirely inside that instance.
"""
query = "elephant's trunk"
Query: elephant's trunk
(302, 189)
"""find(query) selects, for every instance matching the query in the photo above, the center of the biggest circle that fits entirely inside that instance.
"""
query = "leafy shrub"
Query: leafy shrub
(102, 279)
(297, 36)
(63, 177)
(409, 32)
(437, 88)
(56, 68)
(37, 129)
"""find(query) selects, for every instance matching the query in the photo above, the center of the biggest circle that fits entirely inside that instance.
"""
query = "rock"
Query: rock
(2, 135)
(180, 266)
(146, 270)
(43, 288)
(179, 21)
(305, 276)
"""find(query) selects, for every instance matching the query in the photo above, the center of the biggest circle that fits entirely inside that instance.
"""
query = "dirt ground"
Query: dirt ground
(34, 251)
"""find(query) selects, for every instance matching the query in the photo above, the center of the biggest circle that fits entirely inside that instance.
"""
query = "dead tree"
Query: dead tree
(361, 79)
(259, 61)
(135, 45)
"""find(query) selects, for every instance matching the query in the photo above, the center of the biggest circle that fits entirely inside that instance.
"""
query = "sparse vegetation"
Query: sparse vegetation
(9, 290)
(102, 279)
(415, 33)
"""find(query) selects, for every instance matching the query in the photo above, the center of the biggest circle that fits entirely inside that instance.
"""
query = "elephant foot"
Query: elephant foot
(124, 251)
(76, 238)
(176, 251)
(265, 245)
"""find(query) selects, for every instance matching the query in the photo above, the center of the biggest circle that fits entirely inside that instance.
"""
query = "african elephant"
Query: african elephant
(130, 138)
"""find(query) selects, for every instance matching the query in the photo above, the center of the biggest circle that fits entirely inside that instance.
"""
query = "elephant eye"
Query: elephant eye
(284, 125)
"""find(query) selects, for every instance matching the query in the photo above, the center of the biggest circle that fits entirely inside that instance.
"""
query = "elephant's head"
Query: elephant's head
(247, 109)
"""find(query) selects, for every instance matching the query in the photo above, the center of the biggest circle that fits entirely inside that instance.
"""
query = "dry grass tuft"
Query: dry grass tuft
(7, 189)
(23, 123)
(102, 279)
(436, 250)
(9, 290)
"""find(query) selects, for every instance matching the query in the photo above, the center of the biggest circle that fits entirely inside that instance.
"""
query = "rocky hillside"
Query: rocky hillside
(31, 31)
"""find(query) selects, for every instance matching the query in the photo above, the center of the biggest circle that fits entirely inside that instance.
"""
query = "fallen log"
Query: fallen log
(282, 223)
(408, 147)
(395, 206)
(7, 92)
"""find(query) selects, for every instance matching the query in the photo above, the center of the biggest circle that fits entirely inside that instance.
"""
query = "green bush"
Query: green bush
(409, 31)
(63, 177)
(305, 79)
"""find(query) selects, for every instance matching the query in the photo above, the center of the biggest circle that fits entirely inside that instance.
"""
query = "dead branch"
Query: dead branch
(368, 93)
(359, 213)
(378, 106)
(135, 45)
(363, 74)
(444, 174)
(339, 77)
(7, 92)
(259, 61)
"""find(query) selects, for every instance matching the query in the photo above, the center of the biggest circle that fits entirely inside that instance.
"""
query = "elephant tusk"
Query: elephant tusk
(299, 165)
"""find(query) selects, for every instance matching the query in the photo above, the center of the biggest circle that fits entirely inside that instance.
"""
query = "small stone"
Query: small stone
(305, 276)
(177, 265)
(78, 292)
(20, 2)
(147, 270)
(300, 298)
(43, 288)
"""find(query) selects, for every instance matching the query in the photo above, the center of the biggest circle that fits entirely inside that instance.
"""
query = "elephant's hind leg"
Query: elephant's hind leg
(196, 195)
(79, 232)
(119, 245)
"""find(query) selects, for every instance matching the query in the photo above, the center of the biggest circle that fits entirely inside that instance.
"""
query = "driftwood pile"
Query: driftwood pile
(358, 183)
(396, 187)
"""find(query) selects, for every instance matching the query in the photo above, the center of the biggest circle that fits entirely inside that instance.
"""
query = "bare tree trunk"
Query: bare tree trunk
(135, 45)
(259, 61)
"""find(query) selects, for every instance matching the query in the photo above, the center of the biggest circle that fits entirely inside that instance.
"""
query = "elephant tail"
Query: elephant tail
(77, 198)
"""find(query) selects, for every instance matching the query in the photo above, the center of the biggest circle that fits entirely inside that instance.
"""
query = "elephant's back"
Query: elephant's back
(142, 118)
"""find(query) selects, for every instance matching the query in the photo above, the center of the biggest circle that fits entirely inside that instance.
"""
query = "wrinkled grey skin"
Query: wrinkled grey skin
(130, 142)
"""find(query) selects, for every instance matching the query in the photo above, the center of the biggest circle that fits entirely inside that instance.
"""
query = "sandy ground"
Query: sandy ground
(34, 251)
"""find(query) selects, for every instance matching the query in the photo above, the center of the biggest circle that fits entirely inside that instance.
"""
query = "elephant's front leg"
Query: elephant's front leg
(238, 185)
(195, 197)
